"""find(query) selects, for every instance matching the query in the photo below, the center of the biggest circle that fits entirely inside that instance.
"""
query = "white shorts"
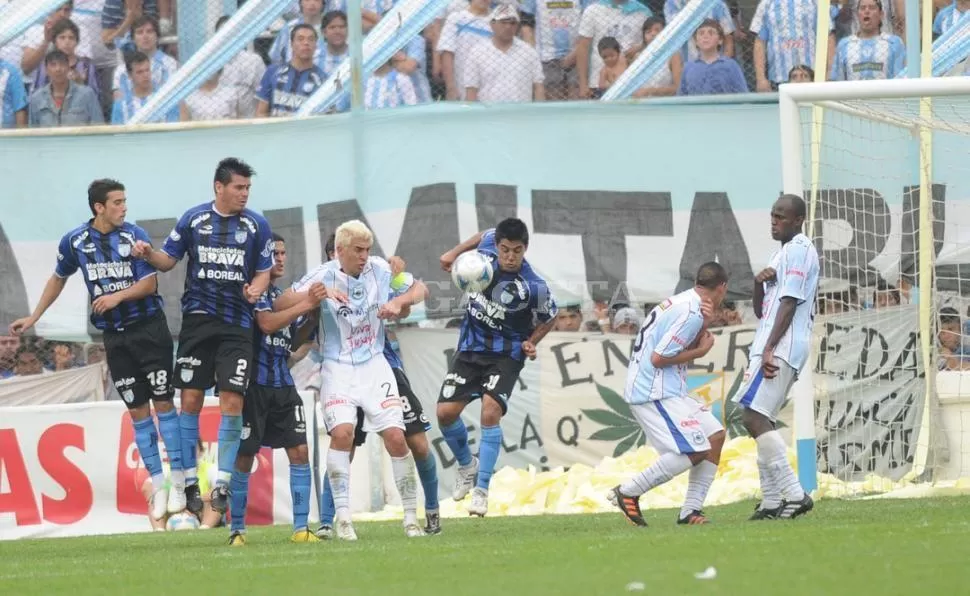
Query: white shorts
(765, 396)
(677, 424)
(370, 386)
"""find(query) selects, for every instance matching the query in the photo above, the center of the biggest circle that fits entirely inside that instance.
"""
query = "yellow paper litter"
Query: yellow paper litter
(582, 489)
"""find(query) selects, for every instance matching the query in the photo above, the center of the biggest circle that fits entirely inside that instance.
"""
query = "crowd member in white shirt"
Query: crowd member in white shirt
(506, 69)
(388, 87)
(244, 72)
(462, 31)
(619, 19)
(28, 52)
(212, 101)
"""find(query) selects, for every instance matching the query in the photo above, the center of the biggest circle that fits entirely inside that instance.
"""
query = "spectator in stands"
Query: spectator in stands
(726, 315)
(13, 97)
(801, 74)
(620, 19)
(667, 80)
(81, 70)
(461, 32)
(389, 88)
(62, 102)
(372, 11)
(785, 38)
(886, 294)
(138, 91)
(118, 17)
(415, 65)
(711, 73)
(869, 54)
(144, 32)
(311, 13)
(94, 354)
(336, 49)
(626, 321)
(614, 63)
(719, 12)
(570, 318)
(212, 101)
(286, 86)
(28, 361)
(505, 68)
(949, 16)
(244, 72)
(29, 51)
(8, 355)
(952, 354)
(63, 355)
(554, 34)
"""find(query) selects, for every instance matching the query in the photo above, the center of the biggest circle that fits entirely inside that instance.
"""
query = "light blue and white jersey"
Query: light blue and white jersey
(670, 327)
(128, 104)
(392, 90)
(163, 67)
(461, 32)
(719, 12)
(351, 333)
(796, 276)
(862, 59)
(787, 28)
(417, 50)
(557, 25)
(946, 18)
(280, 52)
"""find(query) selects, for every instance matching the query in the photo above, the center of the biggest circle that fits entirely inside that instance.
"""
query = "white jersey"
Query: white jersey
(670, 327)
(351, 333)
(796, 276)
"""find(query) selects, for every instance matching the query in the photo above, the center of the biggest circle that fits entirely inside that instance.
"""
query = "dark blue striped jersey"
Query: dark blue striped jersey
(273, 351)
(399, 285)
(225, 253)
(506, 313)
(285, 88)
(106, 263)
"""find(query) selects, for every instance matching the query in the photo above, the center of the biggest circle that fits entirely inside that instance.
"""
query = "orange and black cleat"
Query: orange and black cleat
(693, 518)
(630, 506)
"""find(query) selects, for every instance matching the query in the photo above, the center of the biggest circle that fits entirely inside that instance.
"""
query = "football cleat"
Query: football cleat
(237, 539)
(762, 513)
(159, 503)
(792, 509)
(693, 518)
(432, 523)
(629, 506)
(345, 530)
(219, 498)
(304, 535)
(465, 479)
(193, 499)
(413, 531)
(325, 532)
(479, 504)
(176, 499)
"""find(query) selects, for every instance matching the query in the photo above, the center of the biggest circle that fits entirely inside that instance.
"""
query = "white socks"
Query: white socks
(407, 486)
(701, 477)
(777, 471)
(665, 468)
(338, 471)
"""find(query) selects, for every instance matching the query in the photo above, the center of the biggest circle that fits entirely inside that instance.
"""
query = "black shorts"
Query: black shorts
(211, 350)
(140, 361)
(415, 421)
(473, 374)
(272, 417)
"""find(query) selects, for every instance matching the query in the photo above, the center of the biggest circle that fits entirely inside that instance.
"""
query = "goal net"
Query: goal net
(884, 167)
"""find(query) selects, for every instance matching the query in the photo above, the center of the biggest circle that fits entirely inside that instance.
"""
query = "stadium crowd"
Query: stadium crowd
(96, 61)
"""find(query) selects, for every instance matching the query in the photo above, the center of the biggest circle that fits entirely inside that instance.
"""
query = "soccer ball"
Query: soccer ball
(182, 521)
(472, 272)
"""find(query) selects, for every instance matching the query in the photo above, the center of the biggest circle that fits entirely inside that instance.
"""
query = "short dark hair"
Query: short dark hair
(300, 27)
(331, 245)
(512, 229)
(99, 189)
(650, 22)
(141, 22)
(713, 24)
(134, 58)
(797, 204)
(232, 165)
(801, 67)
(949, 315)
(607, 43)
(278, 238)
(222, 21)
(56, 56)
(332, 16)
(710, 275)
(63, 25)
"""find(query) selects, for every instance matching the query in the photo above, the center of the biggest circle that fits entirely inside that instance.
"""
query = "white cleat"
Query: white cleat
(413, 531)
(176, 498)
(465, 479)
(479, 504)
(345, 530)
(159, 503)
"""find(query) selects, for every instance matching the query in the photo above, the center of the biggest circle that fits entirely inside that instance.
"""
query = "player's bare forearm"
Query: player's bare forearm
(161, 260)
(416, 294)
(757, 298)
(298, 354)
(288, 299)
(683, 358)
(541, 331)
(470, 244)
(55, 285)
(271, 321)
(783, 319)
(142, 288)
(260, 282)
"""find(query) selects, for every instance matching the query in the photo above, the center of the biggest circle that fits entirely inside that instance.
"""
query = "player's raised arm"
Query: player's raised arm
(172, 251)
(270, 321)
(673, 348)
(449, 257)
(311, 282)
(53, 289)
(546, 314)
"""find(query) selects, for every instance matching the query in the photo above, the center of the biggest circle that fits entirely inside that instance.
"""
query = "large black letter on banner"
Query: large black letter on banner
(713, 234)
(951, 277)
(865, 211)
(493, 203)
(13, 293)
(171, 284)
(331, 215)
(604, 220)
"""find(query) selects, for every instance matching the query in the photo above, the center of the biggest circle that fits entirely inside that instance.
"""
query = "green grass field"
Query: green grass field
(843, 547)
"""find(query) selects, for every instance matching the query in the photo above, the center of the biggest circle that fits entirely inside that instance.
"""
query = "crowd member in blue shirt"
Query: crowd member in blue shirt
(13, 97)
(712, 73)
(62, 102)
(286, 86)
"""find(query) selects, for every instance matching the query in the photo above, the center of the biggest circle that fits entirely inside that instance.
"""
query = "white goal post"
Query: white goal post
(862, 155)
